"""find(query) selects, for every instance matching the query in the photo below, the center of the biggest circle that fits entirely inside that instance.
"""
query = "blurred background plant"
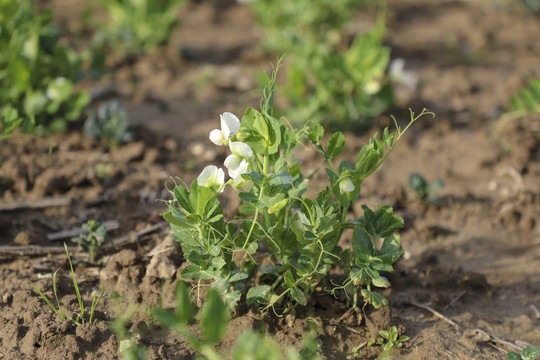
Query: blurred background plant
(94, 235)
(525, 102)
(109, 123)
(37, 73)
(134, 27)
(213, 322)
(423, 190)
(334, 79)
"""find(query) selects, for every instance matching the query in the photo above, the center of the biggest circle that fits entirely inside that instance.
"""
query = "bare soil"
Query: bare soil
(473, 256)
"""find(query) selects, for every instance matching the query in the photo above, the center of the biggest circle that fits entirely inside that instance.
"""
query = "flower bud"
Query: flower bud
(346, 186)
(243, 135)
(278, 206)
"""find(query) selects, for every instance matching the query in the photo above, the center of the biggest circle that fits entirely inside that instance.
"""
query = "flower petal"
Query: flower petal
(211, 176)
(346, 186)
(218, 138)
(241, 149)
(229, 124)
(232, 162)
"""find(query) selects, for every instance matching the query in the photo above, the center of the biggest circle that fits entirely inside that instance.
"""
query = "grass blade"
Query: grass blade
(95, 302)
(44, 297)
(79, 298)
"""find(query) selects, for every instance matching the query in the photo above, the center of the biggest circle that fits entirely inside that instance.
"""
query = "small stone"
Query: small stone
(26, 238)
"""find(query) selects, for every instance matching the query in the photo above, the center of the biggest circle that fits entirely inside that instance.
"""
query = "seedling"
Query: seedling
(389, 339)
(528, 353)
(94, 235)
(81, 317)
(300, 234)
(423, 189)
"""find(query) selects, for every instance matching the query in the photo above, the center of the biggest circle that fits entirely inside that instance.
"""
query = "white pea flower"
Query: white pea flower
(229, 126)
(236, 163)
(211, 177)
(346, 186)
(396, 70)
(372, 87)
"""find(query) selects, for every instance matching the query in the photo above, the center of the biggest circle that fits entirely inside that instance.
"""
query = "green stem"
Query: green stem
(265, 164)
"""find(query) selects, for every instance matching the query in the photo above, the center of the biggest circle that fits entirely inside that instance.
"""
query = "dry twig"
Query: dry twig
(477, 334)
(35, 204)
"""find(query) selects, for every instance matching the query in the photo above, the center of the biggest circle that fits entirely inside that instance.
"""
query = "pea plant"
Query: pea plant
(94, 236)
(337, 80)
(284, 244)
(135, 27)
(37, 73)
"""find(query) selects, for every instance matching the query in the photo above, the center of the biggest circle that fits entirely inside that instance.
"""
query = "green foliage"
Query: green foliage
(300, 234)
(213, 322)
(94, 235)
(525, 102)
(528, 353)
(134, 27)
(422, 189)
(37, 73)
(390, 339)
(331, 80)
(109, 123)
(127, 342)
(81, 317)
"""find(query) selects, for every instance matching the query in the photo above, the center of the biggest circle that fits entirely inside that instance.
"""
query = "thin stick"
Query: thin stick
(35, 204)
(64, 234)
(36, 250)
(454, 300)
(438, 314)
(476, 334)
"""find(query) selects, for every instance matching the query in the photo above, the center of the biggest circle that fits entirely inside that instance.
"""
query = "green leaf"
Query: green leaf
(258, 295)
(195, 272)
(528, 98)
(248, 197)
(275, 135)
(181, 195)
(184, 308)
(513, 356)
(377, 300)
(336, 144)
(298, 295)
(288, 277)
(316, 134)
(530, 352)
(238, 276)
(214, 317)
(381, 281)
(246, 209)
(367, 161)
(381, 223)
(252, 248)
(361, 242)
(390, 250)
(255, 127)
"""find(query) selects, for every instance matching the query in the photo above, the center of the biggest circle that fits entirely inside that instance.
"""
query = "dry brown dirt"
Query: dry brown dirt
(473, 256)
